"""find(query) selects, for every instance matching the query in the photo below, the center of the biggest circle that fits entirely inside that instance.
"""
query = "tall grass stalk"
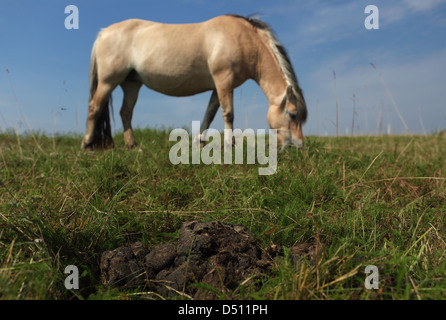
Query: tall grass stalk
(391, 98)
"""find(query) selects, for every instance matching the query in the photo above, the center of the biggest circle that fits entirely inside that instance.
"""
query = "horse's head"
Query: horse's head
(288, 118)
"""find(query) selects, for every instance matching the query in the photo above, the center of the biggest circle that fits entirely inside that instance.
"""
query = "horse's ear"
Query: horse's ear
(288, 95)
(284, 101)
(289, 92)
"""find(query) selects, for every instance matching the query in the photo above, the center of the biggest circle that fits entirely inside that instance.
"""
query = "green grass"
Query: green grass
(363, 200)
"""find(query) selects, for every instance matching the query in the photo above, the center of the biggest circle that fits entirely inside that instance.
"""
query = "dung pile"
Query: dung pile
(216, 255)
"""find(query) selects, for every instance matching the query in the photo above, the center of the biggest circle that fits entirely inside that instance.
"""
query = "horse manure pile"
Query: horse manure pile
(218, 256)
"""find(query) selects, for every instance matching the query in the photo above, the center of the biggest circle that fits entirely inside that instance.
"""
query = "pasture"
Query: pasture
(363, 200)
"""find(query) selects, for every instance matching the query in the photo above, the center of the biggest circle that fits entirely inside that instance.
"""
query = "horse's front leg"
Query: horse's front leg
(227, 109)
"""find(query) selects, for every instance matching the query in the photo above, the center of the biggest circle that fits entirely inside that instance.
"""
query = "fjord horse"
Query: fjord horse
(217, 55)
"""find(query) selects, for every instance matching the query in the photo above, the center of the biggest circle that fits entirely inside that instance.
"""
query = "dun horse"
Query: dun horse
(217, 55)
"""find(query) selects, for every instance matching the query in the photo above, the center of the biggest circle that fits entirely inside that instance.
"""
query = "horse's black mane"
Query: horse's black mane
(254, 22)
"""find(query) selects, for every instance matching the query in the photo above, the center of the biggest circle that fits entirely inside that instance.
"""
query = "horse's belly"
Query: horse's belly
(178, 84)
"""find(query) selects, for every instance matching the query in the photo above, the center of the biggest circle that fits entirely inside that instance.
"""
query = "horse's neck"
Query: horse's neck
(270, 76)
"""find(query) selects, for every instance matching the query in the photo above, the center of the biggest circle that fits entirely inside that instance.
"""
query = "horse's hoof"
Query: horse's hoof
(87, 146)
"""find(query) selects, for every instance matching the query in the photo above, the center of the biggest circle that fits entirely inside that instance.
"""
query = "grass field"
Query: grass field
(375, 200)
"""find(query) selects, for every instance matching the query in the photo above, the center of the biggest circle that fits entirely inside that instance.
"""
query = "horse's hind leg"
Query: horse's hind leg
(211, 110)
(96, 106)
(131, 90)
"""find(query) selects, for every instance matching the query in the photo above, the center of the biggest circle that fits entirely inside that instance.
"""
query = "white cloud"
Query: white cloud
(324, 22)
(391, 12)
(317, 22)
(422, 5)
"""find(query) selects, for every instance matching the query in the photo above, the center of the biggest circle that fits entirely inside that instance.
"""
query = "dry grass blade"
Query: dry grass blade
(360, 179)
(342, 278)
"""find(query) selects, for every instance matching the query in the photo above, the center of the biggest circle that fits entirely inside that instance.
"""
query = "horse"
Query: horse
(217, 55)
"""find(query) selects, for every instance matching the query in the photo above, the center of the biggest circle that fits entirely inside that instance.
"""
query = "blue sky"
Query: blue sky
(46, 88)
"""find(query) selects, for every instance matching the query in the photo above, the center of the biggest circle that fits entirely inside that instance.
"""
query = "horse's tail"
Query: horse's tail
(102, 132)
(93, 72)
